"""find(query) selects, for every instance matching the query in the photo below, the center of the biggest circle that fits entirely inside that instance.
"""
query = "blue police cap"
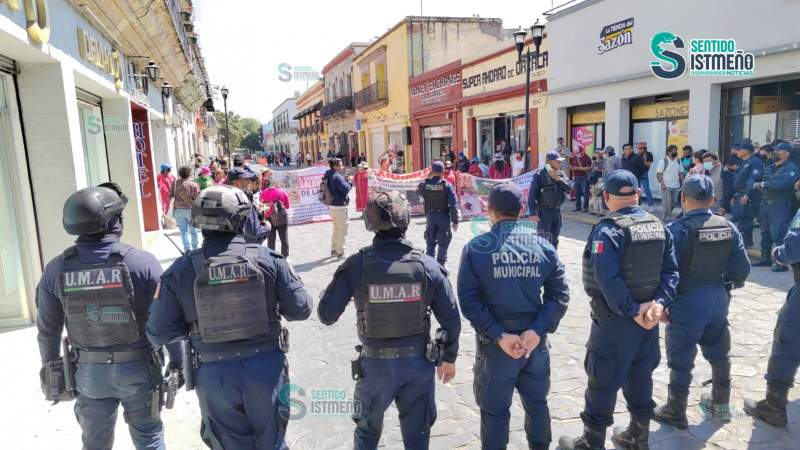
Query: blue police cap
(699, 187)
(505, 198)
(437, 166)
(618, 179)
(238, 173)
(747, 146)
(785, 146)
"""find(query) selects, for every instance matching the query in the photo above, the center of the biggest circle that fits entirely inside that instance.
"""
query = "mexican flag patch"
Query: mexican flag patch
(597, 247)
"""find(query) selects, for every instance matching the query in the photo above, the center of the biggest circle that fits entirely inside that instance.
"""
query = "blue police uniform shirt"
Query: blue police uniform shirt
(145, 272)
(738, 266)
(452, 204)
(439, 295)
(167, 322)
(789, 252)
(537, 182)
(608, 245)
(746, 174)
(511, 272)
(781, 179)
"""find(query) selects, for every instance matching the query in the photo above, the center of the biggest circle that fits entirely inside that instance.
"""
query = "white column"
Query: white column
(55, 151)
(617, 125)
(122, 166)
(704, 116)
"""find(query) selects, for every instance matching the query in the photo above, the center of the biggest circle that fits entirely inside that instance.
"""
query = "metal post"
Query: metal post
(227, 130)
(527, 107)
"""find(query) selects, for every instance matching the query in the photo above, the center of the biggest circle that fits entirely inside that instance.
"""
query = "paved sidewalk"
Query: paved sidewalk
(320, 357)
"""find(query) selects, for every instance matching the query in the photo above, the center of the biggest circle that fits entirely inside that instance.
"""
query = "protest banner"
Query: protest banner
(302, 187)
(472, 192)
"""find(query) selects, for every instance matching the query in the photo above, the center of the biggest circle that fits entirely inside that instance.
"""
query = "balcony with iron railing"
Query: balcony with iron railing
(373, 96)
(341, 104)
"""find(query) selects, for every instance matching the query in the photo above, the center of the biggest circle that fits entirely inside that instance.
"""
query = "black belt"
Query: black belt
(210, 356)
(392, 352)
(101, 357)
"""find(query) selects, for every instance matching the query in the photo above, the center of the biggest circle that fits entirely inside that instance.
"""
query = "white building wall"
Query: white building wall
(584, 77)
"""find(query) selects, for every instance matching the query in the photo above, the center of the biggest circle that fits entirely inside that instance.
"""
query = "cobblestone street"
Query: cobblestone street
(319, 360)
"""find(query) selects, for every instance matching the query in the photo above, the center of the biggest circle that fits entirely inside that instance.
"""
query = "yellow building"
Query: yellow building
(380, 81)
(311, 131)
(382, 74)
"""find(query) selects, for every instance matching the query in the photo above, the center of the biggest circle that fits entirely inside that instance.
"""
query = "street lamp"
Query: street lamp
(224, 91)
(537, 32)
(166, 90)
(153, 71)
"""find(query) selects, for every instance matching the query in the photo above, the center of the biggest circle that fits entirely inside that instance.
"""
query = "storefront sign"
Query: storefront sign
(660, 110)
(503, 71)
(144, 162)
(440, 131)
(595, 116)
(616, 35)
(102, 56)
(439, 90)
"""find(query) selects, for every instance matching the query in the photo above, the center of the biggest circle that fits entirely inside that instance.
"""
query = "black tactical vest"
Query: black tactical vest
(706, 255)
(642, 258)
(98, 301)
(230, 296)
(390, 302)
(550, 195)
(435, 195)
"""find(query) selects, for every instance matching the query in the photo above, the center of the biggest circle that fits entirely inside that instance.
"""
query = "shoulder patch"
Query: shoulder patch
(597, 247)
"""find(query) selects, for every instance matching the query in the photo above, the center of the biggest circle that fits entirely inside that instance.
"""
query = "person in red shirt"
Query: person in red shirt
(165, 181)
(475, 168)
(361, 181)
(451, 176)
(271, 194)
(500, 169)
(581, 165)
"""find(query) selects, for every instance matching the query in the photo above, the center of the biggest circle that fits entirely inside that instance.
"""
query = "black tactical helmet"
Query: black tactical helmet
(220, 208)
(387, 210)
(90, 210)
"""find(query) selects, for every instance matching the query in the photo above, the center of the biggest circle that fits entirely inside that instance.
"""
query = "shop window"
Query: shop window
(486, 137)
(12, 280)
(94, 143)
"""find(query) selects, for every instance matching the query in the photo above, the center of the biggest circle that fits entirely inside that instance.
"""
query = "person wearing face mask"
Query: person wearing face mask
(776, 185)
(668, 173)
(713, 169)
(255, 229)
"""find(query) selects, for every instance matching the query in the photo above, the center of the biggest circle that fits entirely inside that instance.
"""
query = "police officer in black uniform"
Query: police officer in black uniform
(100, 289)
(712, 260)
(441, 210)
(630, 273)
(229, 297)
(395, 287)
(549, 187)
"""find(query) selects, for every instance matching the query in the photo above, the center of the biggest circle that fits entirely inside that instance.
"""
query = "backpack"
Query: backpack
(325, 196)
(279, 217)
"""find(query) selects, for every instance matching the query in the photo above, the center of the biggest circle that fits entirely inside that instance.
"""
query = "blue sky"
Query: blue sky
(244, 41)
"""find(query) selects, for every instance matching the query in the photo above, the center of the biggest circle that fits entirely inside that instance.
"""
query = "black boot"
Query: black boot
(717, 402)
(765, 262)
(772, 409)
(635, 437)
(593, 438)
(674, 411)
